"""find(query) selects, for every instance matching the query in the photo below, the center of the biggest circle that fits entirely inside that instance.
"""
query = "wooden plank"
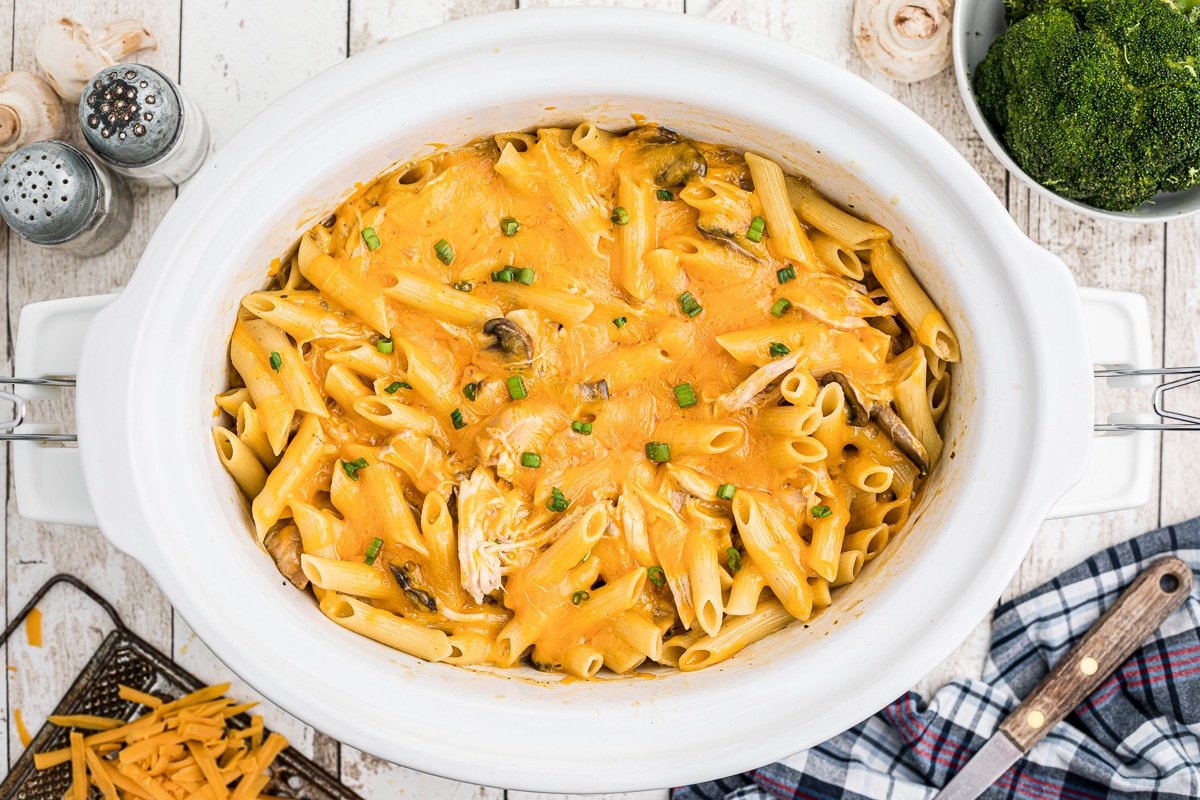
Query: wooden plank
(36, 551)
(375, 21)
(373, 777)
(1181, 348)
(658, 5)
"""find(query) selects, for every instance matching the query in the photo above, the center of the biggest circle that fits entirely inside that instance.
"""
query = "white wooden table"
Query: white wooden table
(235, 57)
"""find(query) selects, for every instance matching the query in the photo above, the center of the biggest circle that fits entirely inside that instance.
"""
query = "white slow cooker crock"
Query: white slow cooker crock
(1018, 432)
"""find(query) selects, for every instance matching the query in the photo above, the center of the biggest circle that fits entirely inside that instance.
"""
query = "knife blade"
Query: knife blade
(1150, 599)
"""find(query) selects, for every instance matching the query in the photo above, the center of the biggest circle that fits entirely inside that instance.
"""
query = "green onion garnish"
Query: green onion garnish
(757, 227)
(397, 386)
(620, 322)
(821, 512)
(525, 275)
(444, 251)
(781, 306)
(656, 576)
(658, 451)
(505, 275)
(777, 349)
(665, 195)
(726, 491)
(620, 216)
(684, 396)
(352, 467)
(531, 460)
(373, 551)
(735, 559)
(471, 391)
(581, 427)
(580, 597)
(585, 557)
(456, 418)
(384, 346)
(587, 429)
(557, 501)
(688, 304)
(786, 274)
(464, 286)
(509, 226)
(516, 388)
(276, 361)
(370, 239)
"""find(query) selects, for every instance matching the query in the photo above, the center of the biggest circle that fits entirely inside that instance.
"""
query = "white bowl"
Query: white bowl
(1018, 431)
(976, 25)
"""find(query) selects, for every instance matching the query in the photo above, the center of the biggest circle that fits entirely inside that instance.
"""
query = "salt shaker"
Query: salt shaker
(141, 124)
(54, 195)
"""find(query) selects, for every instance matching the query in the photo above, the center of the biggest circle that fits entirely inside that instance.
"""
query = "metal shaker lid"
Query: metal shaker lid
(131, 115)
(49, 192)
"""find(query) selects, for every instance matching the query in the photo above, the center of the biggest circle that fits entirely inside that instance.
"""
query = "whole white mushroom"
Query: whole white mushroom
(906, 40)
(70, 54)
(30, 111)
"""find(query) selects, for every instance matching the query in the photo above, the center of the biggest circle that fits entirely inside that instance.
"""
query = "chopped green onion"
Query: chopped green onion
(373, 551)
(757, 227)
(557, 501)
(658, 451)
(781, 306)
(352, 467)
(397, 386)
(778, 349)
(665, 195)
(531, 460)
(580, 597)
(685, 396)
(726, 491)
(384, 346)
(620, 322)
(495, 541)
(821, 512)
(370, 239)
(587, 429)
(464, 286)
(786, 274)
(585, 557)
(526, 276)
(444, 251)
(456, 418)
(688, 304)
(735, 559)
(516, 388)
(471, 391)
(276, 361)
(656, 576)
(581, 427)
(620, 216)
(505, 275)
(509, 226)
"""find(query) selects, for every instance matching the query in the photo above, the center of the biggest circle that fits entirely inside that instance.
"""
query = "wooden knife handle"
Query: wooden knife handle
(1157, 592)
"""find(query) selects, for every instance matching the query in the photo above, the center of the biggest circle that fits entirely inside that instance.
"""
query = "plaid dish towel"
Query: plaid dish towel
(1137, 736)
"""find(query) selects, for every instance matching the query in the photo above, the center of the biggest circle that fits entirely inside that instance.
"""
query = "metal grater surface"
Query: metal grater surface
(126, 658)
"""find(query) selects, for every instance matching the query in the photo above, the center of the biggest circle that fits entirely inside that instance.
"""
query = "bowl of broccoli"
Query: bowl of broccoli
(1094, 103)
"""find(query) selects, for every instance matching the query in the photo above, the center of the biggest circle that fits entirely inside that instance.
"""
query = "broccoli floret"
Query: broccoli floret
(1099, 100)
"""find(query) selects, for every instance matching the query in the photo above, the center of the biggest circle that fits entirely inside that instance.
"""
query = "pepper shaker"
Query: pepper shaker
(141, 124)
(54, 195)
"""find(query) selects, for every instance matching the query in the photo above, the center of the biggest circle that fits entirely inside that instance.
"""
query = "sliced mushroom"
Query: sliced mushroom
(905, 440)
(416, 595)
(856, 413)
(665, 157)
(511, 340)
(906, 40)
(70, 54)
(593, 391)
(30, 111)
(285, 547)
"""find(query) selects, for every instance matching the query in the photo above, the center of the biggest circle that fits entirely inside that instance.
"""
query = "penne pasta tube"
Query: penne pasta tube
(784, 233)
(739, 632)
(513, 165)
(631, 518)
(350, 577)
(231, 400)
(437, 529)
(635, 236)
(440, 300)
(676, 646)
(665, 270)
(928, 325)
(790, 453)
(241, 462)
(274, 407)
(387, 628)
(711, 259)
(790, 421)
(307, 454)
(467, 649)
(619, 655)
(335, 283)
(938, 393)
(823, 215)
(699, 438)
(320, 531)
(799, 387)
(866, 475)
(820, 590)
(748, 583)
(828, 531)
(562, 307)
(767, 544)
(833, 431)
(912, 402)
(639, 632)
(850, 563)
(250, 430)
(597, 144)
(366, 360)
(837, 257)
(391, 414)
(578, 539)
(582, 661)
(301, 315)
(869, 541)
(294, 375)
(373, 499)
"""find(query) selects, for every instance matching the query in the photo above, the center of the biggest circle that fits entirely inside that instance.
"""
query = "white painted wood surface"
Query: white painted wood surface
(236, 57)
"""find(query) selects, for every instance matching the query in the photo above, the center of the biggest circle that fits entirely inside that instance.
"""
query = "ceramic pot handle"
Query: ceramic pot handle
(1121, 468)
(48, 475)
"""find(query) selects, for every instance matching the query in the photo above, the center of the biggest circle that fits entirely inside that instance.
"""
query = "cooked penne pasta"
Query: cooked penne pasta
(583, 400)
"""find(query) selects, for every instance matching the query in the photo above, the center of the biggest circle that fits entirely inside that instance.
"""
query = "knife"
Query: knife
(1138, 612)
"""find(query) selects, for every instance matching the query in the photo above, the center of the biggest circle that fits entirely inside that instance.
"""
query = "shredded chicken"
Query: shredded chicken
(835, 301)
(519, 427)
(484, 516)
(285, 548)
(757, 382)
